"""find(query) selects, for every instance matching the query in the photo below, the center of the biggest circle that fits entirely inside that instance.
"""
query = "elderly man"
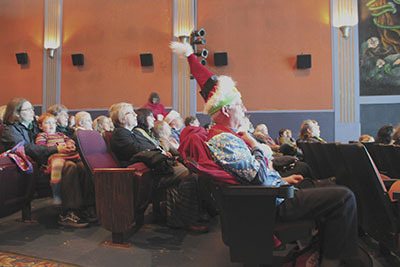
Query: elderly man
(239, 154)
(175, 121)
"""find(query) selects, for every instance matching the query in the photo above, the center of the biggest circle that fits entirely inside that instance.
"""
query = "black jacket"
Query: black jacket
(125, 144)
(17, 132)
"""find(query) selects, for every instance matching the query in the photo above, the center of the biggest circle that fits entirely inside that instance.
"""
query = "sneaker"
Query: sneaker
(57, 201)
(72, 220)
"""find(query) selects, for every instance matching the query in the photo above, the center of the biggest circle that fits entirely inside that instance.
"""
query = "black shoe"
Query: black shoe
(71, 220)
(89, 215)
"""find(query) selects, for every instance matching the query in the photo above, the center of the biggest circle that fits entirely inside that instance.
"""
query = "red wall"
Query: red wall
(21, 30)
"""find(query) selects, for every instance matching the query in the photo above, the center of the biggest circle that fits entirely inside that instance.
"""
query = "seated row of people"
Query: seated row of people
(76, 187)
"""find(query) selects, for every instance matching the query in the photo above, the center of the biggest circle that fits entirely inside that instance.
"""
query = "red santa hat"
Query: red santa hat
(216, 91)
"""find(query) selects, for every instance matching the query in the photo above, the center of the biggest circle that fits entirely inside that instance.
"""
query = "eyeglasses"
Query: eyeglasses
(130, 112)
(27, 109)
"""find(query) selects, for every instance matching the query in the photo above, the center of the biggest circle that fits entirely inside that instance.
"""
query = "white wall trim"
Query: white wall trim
(380, 99)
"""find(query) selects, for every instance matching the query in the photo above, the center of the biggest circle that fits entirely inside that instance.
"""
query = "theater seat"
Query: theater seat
(116, 188)
(247, 213)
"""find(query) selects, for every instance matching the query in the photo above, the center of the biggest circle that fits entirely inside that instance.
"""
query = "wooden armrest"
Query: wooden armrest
(285, 191)
(97, 170)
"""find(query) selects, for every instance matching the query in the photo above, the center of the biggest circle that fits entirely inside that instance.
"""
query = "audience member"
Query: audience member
(103, 124)
(50, 138)
(365, 138)
(310, 132)
(131, 136)
(83, 121)
(192, 121)
(2, 111)
(285, 137)
(76, 188)
(262, 136)
(384, 135)
(396, 135)
(162, 131)
(61, 114)
(71, 122)
(334, 207)
(175, 120)
(155, 106)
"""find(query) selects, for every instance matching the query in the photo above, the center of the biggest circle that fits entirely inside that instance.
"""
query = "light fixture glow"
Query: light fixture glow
(344, 15)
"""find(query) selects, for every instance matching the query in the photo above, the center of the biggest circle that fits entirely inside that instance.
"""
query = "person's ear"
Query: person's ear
(224, 110)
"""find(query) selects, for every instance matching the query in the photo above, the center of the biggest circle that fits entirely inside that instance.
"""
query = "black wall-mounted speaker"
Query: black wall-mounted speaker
(22, 58)
(78, 59)
(304, 61)
(146, 60)
(220, 58)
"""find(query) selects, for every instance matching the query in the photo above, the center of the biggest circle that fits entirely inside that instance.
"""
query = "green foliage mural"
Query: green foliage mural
(379, 39)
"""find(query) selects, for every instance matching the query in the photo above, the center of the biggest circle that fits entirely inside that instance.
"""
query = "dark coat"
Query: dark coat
(17, 132)
(125, 144)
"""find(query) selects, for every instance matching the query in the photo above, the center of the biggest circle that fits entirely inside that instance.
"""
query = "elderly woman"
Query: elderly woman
(61, 114)
(310, 132)
(133, 135)
(75, 187)
(103, 124)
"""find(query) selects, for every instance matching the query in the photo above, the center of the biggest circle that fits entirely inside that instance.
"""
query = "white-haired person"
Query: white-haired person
(75, 191)
(175, 120)
(262, 135)
(162, 131)
(334, 208)
(103, 124)
(132, 137)
(83, 121)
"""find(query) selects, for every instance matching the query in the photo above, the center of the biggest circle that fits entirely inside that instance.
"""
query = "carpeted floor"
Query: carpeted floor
(8, 259)
(49, 244)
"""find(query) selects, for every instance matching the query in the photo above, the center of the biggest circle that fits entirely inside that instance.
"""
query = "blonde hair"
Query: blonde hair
(98, 123)
(366, 138)
(80, 116)
(161, 129)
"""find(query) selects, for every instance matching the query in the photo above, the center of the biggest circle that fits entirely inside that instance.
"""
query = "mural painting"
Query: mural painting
(379, 40)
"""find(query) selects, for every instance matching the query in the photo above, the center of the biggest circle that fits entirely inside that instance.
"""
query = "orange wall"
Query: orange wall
(111, 35)
(21, 30)
(262, 39)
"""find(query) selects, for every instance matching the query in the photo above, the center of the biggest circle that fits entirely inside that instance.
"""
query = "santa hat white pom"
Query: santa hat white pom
(216, 91)
(184, 49)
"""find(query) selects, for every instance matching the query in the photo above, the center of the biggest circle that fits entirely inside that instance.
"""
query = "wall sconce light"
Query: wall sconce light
(344, 15)
(183, 38)
(51, 52)
(51, 45)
